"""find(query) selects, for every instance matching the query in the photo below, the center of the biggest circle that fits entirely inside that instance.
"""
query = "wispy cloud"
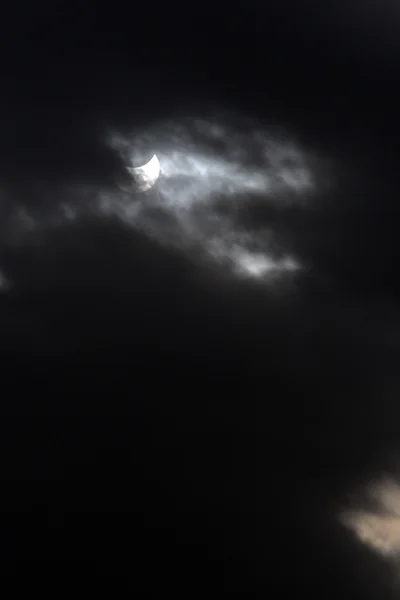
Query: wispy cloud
(211, 170)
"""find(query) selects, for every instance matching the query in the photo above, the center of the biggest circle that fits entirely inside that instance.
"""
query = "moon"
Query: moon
(144, 177)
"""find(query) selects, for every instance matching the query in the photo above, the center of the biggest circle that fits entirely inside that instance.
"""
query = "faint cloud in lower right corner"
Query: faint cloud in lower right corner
(378, 528)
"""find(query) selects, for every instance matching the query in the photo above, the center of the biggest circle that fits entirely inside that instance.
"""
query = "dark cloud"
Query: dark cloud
(209, 418)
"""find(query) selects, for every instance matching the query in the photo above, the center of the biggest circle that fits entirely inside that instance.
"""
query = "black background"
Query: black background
(160, 425)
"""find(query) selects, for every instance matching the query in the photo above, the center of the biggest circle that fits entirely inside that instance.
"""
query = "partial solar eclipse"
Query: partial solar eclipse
(144, 177)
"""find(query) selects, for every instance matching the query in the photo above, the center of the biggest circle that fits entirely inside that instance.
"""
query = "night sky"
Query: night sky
(200, 383)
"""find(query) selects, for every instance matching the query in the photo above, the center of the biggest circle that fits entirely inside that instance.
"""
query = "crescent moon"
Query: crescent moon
(144, 177)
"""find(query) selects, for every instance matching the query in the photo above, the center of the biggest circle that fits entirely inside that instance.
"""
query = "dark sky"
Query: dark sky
(165, 420)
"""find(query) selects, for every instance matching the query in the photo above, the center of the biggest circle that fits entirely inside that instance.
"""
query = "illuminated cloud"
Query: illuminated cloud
(205, 165)
(211, 170)
(378, 528)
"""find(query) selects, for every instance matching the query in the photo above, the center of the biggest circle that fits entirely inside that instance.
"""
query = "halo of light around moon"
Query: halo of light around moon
(144, 177)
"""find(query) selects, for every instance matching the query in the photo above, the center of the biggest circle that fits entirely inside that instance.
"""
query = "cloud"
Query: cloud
(378, 528)
(212, 169)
